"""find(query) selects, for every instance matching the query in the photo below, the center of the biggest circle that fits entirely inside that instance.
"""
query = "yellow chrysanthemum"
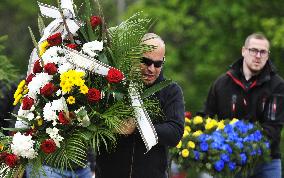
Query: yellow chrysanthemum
(84, 89)
(70, 100)
(187, 120)
(185, 133)
(191, 144)
(187, 128)
(179, 144)
(221, 125)
(71, 78)
(42, 47)
(39, 122)
(197, 133)
(17, 99)
(197, 120)
(234, 121)
(1, 147)
(184, 153)
(210, 124)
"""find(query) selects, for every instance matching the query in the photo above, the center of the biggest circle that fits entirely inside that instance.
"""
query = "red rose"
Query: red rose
(29, 78)
(37, 67)
(54, 39)
(50, 68)
(48, 146)
(48, 89)
(27, 103)
(93, 95)
(187, 114)
(11, 160)
(114, 76)
(72, 46)
(63, 119)
(95, 21)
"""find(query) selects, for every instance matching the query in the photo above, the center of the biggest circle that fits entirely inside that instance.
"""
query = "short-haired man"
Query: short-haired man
(252, 90)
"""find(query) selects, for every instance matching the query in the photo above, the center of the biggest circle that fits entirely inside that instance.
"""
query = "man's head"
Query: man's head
(255, 52)
(151, 62)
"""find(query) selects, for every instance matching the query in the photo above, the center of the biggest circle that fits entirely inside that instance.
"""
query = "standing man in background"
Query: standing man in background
(252, 90)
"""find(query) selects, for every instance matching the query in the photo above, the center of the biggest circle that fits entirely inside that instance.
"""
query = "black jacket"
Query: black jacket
(6, 103)
(259, 99)
(129, 158)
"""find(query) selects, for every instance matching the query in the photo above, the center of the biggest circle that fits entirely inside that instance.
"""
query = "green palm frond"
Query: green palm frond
(126, 39)
(102, 138)
(157, 87)
(7, 172)
(72, 152)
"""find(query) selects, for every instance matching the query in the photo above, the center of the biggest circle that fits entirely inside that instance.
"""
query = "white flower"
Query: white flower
(50, 108)
(21, 124)
(40, 80)
(65, 67)
(23, 146)
(91, 48)
(53, 133)
(53, 55)
(26, 114)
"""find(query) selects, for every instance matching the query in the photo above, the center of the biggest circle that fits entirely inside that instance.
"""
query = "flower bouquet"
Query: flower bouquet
(221, 148)
(83, 81)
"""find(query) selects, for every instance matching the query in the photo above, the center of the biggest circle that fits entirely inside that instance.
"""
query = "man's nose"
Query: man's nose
(258, 54)
(151, 67)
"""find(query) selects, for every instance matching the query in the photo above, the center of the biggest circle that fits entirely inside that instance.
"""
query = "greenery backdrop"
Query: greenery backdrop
(202, 37)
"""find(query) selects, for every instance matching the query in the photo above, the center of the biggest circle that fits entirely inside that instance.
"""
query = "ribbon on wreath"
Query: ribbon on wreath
(143, 121)
(57, 25)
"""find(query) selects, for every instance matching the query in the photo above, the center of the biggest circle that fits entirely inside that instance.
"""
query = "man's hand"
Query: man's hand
(127, 127)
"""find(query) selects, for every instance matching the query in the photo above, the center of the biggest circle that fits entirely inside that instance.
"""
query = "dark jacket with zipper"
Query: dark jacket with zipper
(130, 160)
(258, 99)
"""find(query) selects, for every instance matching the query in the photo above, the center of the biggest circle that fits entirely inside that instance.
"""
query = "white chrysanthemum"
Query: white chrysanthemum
(25, 113)
(65, 67)
(53, 133)
(38, 82)
(59, 105)
(91, 48)
(53, 55)
(23, 146)
(59, 92)
(48, 113)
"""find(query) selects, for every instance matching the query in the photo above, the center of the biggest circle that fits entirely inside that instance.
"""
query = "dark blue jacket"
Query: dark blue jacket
(129, 159)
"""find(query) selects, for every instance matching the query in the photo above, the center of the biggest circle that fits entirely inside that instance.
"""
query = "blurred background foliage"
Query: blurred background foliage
(202, 37)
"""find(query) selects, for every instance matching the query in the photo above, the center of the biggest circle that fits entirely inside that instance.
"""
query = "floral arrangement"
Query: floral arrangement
(221, 148)
(76, 94)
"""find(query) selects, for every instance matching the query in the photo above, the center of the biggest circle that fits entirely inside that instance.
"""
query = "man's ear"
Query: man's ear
(243, 51)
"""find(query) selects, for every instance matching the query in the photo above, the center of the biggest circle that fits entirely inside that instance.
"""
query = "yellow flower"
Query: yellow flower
(210, 124)
(191, 144)
(221, 125)
(234, 121)
(1, 147)
(184, 153)
(70, 100)
(179, 144)
(185, 133)
(197, 133)
(187, 120)
(84, 89)
(40, 122)
(22, 84)
(17, 99)
(197, 120)
(187, 128)
(42, 47)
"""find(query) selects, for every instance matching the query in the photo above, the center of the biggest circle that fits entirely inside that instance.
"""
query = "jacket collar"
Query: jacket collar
(235, 72)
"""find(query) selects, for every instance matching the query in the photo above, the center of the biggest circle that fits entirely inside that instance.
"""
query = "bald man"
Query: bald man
(129, 158)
